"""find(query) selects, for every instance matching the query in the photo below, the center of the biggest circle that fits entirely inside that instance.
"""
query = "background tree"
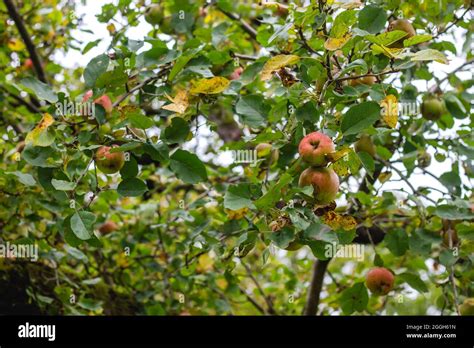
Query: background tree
(115, 169)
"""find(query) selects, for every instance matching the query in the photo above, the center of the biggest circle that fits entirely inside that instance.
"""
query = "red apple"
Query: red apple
(108, 162)
(314, 147)
(103, 100)
(380, 281)
(28, 64)
(236, 73)
(325, 183)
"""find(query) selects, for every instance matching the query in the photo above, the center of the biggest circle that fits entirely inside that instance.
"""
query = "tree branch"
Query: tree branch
(124, 96)
(314, 291)
(13, 12)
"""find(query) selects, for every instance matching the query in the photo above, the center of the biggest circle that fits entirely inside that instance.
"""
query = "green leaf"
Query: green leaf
(188, 167)
(40, 156)
(280, 32)
(342, 23)
(417, 39)
(25, 179)
(397, 242)
(238, 197)
(76, 253)
(308, 112)
(129, 169)
(126, 147)
(378, 261)
(132, 187)
(451, 180)
(414, 281)
(354, 299)
(252, 110)
(367, 162)
(455, 107)
(453, 212)
(283, 237)
(372, 19)
(96, 67)
(429, 55)
(62, 185)
(447, 258)
(387, 38)
(158, 152)
(177, 132)
(138, 120)
(180, 64)
(41, 89)
(360, 117)
(274, 193)
(82, 224)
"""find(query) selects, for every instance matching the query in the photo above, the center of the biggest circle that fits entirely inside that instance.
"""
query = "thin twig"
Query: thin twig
(245, 26)
(268, 301)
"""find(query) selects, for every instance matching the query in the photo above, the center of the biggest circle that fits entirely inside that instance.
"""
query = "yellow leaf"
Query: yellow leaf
(16, 157)
(40, 136)
(389, 107)
(222, 283)
(111, 28)
(383, 177)
(341, 168)
(213, 85)
(16, 45)
(333, 44)
(394, 53)
(205, 263)
(335, 156)
(179, 103)
(337, 221)
(236, 214)
(276, 63)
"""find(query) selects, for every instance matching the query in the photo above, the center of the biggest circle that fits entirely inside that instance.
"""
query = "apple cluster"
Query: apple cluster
(314, 149)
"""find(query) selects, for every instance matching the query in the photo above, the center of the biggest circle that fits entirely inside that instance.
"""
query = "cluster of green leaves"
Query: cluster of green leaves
(195, 236)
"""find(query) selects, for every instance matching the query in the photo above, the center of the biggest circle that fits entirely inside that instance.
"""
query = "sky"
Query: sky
(75, 58)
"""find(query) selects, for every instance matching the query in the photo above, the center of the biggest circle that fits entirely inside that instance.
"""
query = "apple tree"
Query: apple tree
(237, 157)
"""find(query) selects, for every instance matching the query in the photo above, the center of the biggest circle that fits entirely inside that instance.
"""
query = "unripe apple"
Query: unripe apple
(314, 147)
(424, 159)
(108, 227)
(432, 108)
(366, 80)
(108, 162)
(265, 150)
(365, 144)
(467, 307)
(236, 73)
(154, 14)
(324, 181)
(380, 281)
(403, 25)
